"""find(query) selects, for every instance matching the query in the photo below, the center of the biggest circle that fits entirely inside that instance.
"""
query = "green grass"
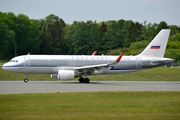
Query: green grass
(91, 105)
(155, 74)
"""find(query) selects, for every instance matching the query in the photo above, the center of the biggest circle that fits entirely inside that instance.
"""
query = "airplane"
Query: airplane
(66, 67)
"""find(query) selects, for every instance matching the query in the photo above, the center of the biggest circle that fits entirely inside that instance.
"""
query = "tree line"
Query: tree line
(20, 35)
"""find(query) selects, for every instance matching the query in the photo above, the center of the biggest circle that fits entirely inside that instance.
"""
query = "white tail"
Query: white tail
(157, 46)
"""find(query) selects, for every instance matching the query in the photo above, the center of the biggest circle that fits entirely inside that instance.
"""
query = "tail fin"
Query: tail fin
(157, 46)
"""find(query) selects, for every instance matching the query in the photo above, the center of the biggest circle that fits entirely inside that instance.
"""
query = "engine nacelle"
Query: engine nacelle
(63, 75)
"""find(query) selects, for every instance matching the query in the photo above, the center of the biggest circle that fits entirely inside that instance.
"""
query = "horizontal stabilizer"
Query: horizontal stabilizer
(167, 60)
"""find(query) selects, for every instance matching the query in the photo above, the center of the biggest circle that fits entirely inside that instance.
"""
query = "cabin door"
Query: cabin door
(26, 61)
(138, 63)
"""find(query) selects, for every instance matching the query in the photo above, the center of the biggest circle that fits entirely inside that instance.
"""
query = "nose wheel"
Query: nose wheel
(26, 79)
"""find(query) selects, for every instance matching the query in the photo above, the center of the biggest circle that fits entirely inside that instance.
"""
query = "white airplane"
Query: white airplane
(66, 67)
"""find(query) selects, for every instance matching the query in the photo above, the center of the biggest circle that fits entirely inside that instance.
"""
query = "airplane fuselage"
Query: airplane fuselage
(50, 64)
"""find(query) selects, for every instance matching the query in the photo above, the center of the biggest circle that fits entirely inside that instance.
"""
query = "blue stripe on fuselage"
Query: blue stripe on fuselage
(112, 67)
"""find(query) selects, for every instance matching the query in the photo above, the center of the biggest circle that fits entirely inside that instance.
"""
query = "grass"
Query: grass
(155, 74)
(91, 105)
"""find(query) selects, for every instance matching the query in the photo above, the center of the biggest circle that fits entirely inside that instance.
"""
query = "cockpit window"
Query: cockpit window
(14, 61)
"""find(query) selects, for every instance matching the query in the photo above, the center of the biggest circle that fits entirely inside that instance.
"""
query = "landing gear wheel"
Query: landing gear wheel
(81, 79)
(26, 80)
(86, 80)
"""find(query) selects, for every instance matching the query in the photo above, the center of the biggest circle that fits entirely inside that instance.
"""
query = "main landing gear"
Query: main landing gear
(84, 80)
(26, 79)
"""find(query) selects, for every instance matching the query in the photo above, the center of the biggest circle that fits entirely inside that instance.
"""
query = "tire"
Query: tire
(26, 80)
(81, 79)
(86, 80)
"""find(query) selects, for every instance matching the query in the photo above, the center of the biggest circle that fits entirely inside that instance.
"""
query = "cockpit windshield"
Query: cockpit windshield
(14, 61)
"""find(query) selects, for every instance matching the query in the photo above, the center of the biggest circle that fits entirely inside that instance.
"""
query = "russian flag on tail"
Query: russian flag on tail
(155, 47)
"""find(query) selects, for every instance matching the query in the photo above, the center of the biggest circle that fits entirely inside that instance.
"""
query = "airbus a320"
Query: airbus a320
(66, 67)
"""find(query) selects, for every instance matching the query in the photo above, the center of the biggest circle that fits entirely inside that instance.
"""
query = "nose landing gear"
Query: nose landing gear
(26, 79)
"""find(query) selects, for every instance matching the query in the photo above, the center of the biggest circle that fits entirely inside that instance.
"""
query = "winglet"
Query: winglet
(118, 59)
(94, 53)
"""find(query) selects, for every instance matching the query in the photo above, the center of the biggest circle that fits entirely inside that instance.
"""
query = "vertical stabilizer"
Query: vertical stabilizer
(157, 46)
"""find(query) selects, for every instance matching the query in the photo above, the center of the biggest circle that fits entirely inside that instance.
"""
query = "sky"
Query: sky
(153, 11)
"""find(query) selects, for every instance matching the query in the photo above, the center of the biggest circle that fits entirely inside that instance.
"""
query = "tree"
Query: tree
(51, 18)
(101, 43)
(148, 31)
(115, 35)
(79, 38)
(83, 37)
(134, 33)
(102, 30)
(130, 35)
(23, 34)
(137, 31)
(69, 38)
(35, 35)
(57, 38)
(7, 42)
(44, 44)
(162, 25)
(49, 37)
(178, 38)
(174, 29)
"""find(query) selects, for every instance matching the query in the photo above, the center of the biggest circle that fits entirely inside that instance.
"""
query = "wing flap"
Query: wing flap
(92, 66)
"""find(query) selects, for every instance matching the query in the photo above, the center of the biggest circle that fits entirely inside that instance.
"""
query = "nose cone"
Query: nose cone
(7, 67)
(4, 66)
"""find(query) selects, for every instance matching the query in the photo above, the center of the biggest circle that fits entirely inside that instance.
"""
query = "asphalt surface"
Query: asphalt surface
(18, 87)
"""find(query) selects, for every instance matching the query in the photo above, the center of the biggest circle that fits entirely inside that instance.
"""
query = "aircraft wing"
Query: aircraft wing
(91, 68)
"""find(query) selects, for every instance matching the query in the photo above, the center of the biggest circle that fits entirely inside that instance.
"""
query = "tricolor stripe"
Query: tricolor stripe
(155, 47)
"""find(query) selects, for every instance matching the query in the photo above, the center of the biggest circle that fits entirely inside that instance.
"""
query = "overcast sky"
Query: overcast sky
(152, 11)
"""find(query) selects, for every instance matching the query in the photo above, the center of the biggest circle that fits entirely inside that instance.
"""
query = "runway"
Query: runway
(19, 87)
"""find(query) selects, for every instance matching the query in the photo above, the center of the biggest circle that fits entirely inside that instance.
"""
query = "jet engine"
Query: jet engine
(64, 75)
